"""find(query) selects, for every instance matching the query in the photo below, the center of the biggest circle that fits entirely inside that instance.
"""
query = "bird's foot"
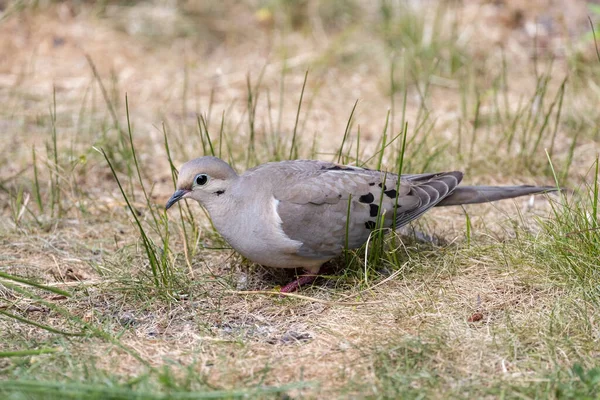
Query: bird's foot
(301, 281)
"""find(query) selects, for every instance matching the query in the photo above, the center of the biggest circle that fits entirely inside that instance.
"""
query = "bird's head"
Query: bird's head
(203, 179)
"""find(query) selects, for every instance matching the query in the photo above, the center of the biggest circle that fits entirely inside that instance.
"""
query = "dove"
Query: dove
(303, 213)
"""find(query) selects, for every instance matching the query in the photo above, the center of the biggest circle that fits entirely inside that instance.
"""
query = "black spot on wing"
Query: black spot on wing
(370, 225)
(337, 168)
(391, 193)
(372, 184)
(373, 210)
(367, 198)
(381, 185)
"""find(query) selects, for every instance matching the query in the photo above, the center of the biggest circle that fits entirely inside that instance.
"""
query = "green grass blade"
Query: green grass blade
(25, 353)
(346, 132)
(97, 391)
(293, 146)
(38, 325)
(150, 252)
(28, 282)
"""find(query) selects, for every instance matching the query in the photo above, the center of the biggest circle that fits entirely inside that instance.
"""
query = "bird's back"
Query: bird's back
(327, 207)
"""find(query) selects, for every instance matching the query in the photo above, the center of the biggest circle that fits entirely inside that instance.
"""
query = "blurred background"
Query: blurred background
(467, 68)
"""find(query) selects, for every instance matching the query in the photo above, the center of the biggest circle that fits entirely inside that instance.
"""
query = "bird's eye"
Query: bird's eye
(201, 179)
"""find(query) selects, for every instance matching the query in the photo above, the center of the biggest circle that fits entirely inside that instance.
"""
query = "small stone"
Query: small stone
(292, 337)
(242, 282)
(475, 317)
(127, 319)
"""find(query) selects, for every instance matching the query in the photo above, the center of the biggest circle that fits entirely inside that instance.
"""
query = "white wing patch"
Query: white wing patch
(279, 223)
(274, 204)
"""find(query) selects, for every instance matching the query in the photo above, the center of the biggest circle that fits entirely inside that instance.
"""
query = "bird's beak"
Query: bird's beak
(178, 195)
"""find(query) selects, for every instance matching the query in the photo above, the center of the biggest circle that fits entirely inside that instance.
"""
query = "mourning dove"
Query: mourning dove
(302, 213)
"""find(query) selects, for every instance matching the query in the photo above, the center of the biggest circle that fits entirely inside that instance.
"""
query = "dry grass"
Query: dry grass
(496, 312)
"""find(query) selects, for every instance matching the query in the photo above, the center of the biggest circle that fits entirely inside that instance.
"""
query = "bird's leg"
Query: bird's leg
(301, 281)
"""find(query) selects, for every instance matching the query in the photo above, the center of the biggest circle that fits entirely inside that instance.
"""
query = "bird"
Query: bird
(303, 213)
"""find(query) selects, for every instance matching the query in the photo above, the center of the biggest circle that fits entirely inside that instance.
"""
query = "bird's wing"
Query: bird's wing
(328, 206)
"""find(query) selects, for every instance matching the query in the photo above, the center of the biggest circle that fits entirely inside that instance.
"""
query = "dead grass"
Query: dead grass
(483, 315)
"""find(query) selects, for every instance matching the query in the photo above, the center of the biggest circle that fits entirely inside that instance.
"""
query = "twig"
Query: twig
(299, 296)
(580, 232)
(389, 278)
(63, 284)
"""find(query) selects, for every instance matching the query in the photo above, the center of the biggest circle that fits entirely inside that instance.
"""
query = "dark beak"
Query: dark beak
(178, 195)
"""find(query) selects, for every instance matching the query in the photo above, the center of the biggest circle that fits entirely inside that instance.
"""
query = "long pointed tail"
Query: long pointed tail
(485, 194)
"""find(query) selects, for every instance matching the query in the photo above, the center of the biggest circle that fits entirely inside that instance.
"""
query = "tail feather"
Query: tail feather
(485, 194)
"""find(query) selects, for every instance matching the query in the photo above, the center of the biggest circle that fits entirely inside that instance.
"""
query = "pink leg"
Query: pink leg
(301, 281)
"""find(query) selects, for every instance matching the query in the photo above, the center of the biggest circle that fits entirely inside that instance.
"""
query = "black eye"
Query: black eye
(201, 179)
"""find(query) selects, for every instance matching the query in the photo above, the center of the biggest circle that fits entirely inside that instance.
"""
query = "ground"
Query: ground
(104, 295)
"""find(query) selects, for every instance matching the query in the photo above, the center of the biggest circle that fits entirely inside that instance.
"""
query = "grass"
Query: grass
(104, 295)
